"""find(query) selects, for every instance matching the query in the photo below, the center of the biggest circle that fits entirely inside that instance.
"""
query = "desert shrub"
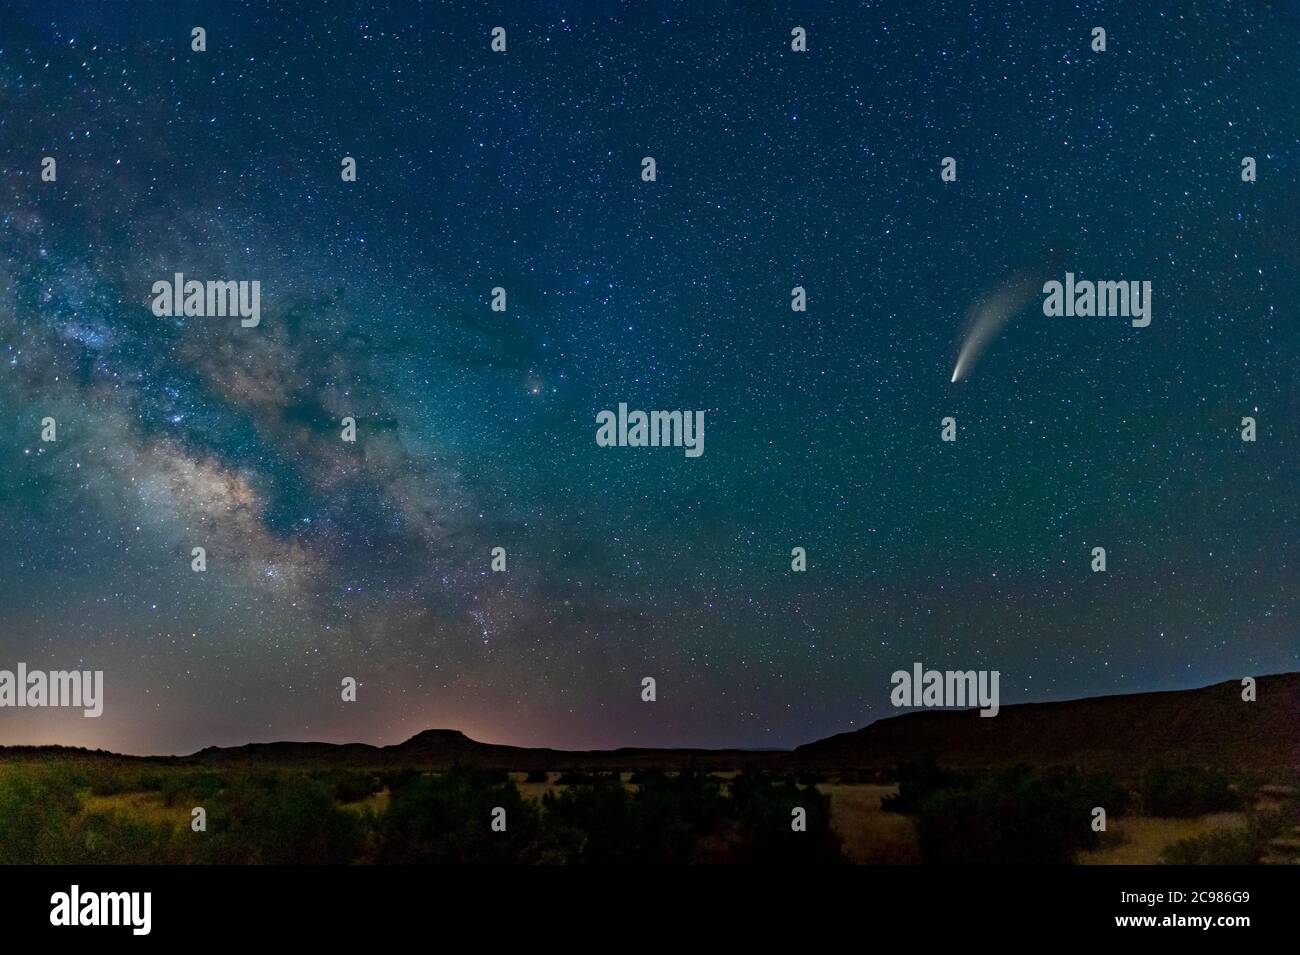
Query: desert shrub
(281, 818)
(1087, 790)
(538, 776)
(762, 813)
(638, 776)
(864, 777)
(1183, 791)
(120, 838)
(150, 781)
(113, 782)
(671, 814)
(395, 779)
(348, 785)
(37, 809)
(1011, 817)
(1245, 845)
(590, 822)
(1224, 847)
(918, 779)
(446, 819)
(663, 822)
(194, 788)
(116, 779)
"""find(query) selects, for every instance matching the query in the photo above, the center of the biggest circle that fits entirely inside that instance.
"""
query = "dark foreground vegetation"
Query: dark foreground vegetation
(99, 810)
(89, 813)
(1048, 816)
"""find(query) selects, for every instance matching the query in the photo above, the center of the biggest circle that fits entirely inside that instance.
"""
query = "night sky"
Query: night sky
(476, 428)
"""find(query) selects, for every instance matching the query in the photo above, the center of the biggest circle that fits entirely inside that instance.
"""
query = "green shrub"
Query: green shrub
(917, 780)
(118, 838)
(590, 823)
(664, 821)
(1183, 791)
(280, 819)
(1245, 845)
(395, 779)
(189, 787)
(446, 820)
(762, 810)
(348, 785)
(37, 810)
(1014, 817)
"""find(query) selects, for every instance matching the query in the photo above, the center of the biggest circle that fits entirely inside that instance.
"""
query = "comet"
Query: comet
(990, 314)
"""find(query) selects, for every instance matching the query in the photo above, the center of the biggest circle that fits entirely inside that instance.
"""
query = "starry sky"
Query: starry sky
(476, 429)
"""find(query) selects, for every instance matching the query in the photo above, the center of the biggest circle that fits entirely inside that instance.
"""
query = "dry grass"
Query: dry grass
(534, 790)
(375, 802)
(871, 835)
(1144, 839)
(537, 790)
(146, 806)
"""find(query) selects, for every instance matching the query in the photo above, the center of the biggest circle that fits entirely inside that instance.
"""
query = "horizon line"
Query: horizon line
(903, 711)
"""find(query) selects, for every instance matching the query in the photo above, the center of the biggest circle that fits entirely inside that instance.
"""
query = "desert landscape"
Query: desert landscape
(1188, 777)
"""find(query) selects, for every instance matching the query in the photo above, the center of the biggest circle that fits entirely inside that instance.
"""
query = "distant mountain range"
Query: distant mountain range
(436, 749)
(1209, 726)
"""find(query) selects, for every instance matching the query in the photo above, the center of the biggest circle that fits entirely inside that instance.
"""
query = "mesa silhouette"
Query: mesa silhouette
(1209, 726)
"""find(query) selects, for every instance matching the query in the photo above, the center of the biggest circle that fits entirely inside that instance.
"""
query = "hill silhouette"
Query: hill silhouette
(1209, 726)
(441, 748)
